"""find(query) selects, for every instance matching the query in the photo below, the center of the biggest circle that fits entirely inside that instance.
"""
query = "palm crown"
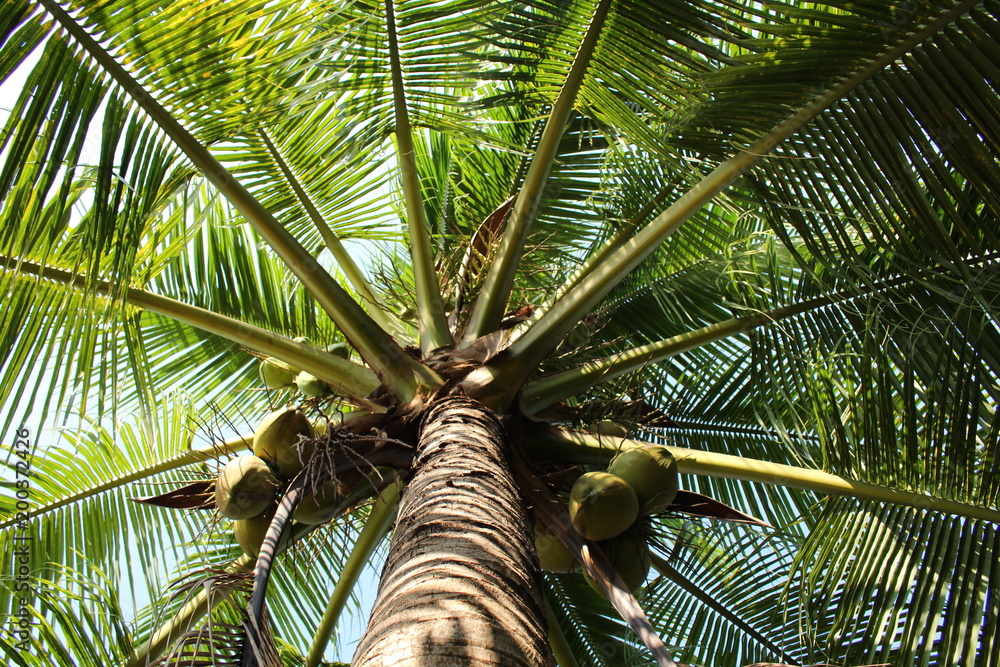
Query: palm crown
(764, 235)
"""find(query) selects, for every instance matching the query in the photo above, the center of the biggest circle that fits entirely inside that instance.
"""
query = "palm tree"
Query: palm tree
(764, 235)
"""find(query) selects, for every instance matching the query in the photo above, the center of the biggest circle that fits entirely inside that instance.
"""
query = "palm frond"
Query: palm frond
(373, 343)
(932, 602)
(743, 572)
(77, 621)
(98, 474)
(596, 635)
(493, 299)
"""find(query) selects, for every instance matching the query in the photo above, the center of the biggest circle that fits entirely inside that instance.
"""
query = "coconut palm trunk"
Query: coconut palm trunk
(461, 585)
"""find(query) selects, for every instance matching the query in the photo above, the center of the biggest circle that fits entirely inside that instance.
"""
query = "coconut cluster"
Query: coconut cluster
(248, 487)
(278, 374)
(605, 505)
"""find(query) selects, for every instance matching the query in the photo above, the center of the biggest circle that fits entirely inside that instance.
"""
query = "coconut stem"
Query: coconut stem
(561, 649)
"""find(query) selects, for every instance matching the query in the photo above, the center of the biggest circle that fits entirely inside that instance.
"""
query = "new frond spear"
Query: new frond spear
(495, 292)
(397, 368)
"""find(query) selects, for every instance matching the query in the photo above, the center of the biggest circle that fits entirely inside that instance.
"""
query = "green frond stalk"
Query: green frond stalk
(585, 448)
(344, 376)
(549, 390)
(347, 264)
(433, 324)
(526, 353)
(495, 292)
(557, 639)
(375, 529)
(398, 369)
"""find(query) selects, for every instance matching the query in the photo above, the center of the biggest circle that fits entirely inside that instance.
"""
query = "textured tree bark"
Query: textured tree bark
(461, 584)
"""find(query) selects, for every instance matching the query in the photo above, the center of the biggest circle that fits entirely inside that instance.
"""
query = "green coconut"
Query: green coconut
(578, 336)
(310, 385)
(320, 426)
(553, 556)
(629, 554)
(652, 471)
(277, 441)
(275, 373)
(339, 350)
(326, 502)
(250, 533)
(320, 505)
(245, 487)
(602, 505)
(610, 428)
